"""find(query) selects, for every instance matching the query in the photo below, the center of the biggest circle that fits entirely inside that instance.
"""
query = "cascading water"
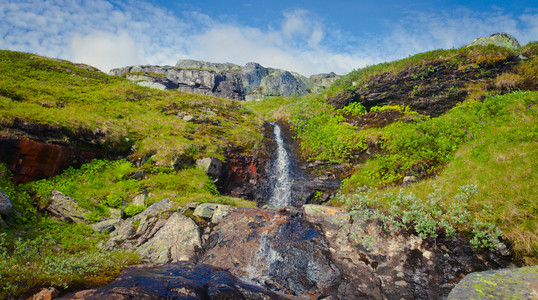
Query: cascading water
(280, 173)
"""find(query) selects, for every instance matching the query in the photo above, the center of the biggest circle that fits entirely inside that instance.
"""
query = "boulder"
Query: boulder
(158, 234)
(212, 211)
(324, 80)
(108, 225)
(45, 294)
(181, 280)
(178, 239)
(517, 283)
(211, 166)
(140, 200)
(66, 208)
(500, 39)
(205, 210)
(5, 204)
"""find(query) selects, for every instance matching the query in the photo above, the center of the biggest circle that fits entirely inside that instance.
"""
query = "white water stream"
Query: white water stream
(281, 191)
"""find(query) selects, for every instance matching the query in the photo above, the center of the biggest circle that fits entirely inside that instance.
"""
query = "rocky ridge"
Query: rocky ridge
(249, 82)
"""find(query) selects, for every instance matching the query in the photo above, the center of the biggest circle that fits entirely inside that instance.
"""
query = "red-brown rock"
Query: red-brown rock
(32, 160)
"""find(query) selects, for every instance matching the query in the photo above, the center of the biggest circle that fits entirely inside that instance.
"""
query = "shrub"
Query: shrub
(132, 210)
(427, 217)
(114, 201)
(354, 109)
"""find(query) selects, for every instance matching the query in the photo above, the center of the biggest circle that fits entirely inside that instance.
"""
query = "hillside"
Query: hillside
(428, 125)
(435, 155)
(55, 114)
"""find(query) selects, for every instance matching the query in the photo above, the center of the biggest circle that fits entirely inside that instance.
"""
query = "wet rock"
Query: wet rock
(5, 204)
(245, 176)
(519, 283)
(384, 263)
(280, 252)
(66, 208)
(181, 280)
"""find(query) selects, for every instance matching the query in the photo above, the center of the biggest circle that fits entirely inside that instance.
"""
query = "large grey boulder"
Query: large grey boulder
(500, 39)
(179, 239)
(517, 283)
(158, 234)
(66, 208)
(5, 204)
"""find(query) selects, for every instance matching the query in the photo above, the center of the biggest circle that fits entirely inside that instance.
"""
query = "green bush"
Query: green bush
(114, 201)
(354, 109)
(132, 210)
(427, 217)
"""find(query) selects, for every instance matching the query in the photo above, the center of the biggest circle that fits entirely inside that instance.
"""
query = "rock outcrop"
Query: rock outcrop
(35, 151)
(517, 283)
(429, 86)
(181, 280)
(249, 82)
(5, 204)
(66, 208)
(324, 80)
(500, 39)
(274, 249)
(158, 234)
(315, 251)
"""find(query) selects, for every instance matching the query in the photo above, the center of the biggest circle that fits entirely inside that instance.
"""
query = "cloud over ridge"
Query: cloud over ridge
(109, 34)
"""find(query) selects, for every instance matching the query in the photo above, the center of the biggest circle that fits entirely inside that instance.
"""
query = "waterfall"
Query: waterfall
(280, 175)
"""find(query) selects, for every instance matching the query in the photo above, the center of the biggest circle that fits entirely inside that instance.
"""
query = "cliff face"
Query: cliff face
(249, 82)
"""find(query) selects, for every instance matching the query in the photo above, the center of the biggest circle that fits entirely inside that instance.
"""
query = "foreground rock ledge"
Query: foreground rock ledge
(181, 280)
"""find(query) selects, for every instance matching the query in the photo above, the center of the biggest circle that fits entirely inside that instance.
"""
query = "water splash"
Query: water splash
(265, 258)
(280, 175)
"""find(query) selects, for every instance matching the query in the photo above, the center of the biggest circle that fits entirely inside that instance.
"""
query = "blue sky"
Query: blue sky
(308, 37)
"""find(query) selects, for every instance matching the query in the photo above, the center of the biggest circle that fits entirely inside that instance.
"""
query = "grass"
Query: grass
(497, 153)
(46, 91)
(36, 251)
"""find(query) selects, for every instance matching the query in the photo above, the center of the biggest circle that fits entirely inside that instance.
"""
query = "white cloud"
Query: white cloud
(104, 49)
(110, 34)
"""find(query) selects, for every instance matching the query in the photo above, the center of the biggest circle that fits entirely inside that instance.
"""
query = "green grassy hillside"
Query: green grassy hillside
(485, 142)
(78, 100)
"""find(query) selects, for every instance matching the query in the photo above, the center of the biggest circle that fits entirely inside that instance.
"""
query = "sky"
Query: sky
(308, 37)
